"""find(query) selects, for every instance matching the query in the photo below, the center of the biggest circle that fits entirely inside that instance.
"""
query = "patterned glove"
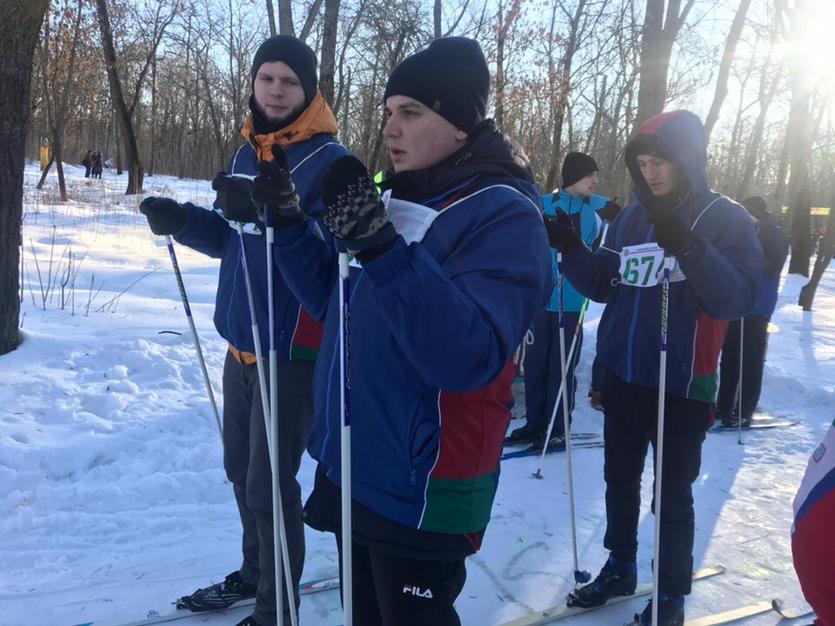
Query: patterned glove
(233, 198)
(671, 232)
(561, 232)
(165, 216)
(274, 193)
(354, 212)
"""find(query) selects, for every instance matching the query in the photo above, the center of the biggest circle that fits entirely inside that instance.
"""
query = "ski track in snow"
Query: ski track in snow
(113, 499)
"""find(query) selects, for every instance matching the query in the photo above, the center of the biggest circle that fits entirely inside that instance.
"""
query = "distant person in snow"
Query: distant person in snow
(717, 263)
(97, 164)
(287, 111)
(754, 333)
(543, 371)
(447, 277)
(87, 162)
(813, 539)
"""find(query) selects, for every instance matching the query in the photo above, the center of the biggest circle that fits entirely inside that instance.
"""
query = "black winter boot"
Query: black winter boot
(670, 612)
(523, 434)
(615, 579)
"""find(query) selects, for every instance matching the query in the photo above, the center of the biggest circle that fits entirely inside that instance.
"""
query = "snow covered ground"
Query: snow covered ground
(113, 500)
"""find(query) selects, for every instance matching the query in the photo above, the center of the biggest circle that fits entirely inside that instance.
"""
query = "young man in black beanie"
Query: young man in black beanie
(286, 110)
(448, 273)
(543, 368)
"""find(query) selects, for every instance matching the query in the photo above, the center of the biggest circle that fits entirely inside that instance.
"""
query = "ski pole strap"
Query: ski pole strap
(665, 303)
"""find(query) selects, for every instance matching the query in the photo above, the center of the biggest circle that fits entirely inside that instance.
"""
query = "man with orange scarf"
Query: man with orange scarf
(287, 110)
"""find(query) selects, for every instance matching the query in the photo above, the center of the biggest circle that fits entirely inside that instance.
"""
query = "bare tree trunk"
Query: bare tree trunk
(725, 66)
(658, 36)
(826, 248)
(328, 60)
(799, 145)
(271, 17)
(285, 18)
(20, 21)
(153, 163)
(563, 92)
(436, 18)
(502, 35)
(311, 19)
(135, 173)
(757, 134)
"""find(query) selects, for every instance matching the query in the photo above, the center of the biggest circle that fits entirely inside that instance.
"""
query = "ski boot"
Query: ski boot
(523, 434)
(615, 579)
(233, 589)
(556, 442)
(670, 612)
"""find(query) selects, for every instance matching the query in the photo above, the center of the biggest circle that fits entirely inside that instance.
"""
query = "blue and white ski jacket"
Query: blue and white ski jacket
(715, 281)
(434, 323)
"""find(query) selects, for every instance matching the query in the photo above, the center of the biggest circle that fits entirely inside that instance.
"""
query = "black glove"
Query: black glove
(354, 212)
(165, 216)
(561, 232)
(274, 193)
(233, 198)
(671, 232)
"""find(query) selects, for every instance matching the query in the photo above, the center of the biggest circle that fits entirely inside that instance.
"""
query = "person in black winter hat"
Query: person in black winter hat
(282, 65)
(449, 272)
(289, 122)
(576, 167)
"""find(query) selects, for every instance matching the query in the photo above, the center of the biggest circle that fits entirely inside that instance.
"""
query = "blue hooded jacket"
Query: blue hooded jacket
(715, 281)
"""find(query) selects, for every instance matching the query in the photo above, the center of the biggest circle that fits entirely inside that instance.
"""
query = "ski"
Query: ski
(727, 617)
(777, 607)
(563, 611)
(755, 425)
(579, 444)
(305, 588)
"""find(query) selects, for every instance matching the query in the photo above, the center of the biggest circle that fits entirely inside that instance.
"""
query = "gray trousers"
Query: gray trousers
(246, 460)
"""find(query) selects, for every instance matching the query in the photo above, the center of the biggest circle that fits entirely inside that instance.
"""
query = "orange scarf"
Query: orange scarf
(317, 118)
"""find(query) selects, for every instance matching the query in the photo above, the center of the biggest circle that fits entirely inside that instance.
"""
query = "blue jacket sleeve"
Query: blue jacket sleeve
(595, 274)
(204, 231)
(307, 260)
(459, 322)
(724, 264)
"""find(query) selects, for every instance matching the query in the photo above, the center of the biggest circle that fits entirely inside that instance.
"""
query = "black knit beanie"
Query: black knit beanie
(756, 206)
(296, 54)
(577, 166)
(450, 77)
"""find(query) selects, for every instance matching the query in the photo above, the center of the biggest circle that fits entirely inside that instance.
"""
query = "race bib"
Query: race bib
(642, 265)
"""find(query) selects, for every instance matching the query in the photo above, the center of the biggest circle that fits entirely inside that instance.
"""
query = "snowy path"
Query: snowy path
(113, 499)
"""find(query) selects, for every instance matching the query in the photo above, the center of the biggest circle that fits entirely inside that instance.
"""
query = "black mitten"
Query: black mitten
(354, 212)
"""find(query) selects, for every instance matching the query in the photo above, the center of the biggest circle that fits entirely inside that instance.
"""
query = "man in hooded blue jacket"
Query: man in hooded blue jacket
(718, 262)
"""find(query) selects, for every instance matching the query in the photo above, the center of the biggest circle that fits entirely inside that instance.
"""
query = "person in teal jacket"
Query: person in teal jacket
(543, 372)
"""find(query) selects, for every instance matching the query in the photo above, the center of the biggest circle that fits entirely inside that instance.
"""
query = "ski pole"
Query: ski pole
(659, 437)
(278, 509)
(282, 575)
(579, 576)
(170, 243)
(574, 339)
(741, 350)
(345, 436)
